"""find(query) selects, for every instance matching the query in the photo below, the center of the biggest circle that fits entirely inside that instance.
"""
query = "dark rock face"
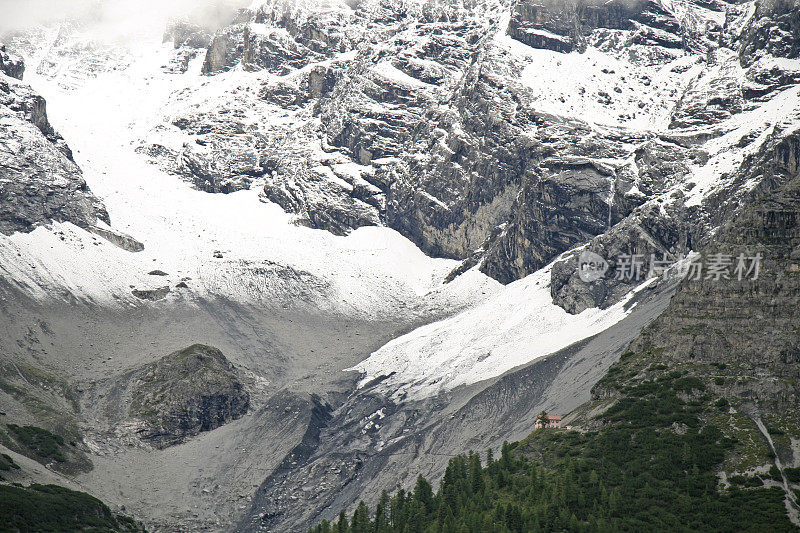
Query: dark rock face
(11, 65)
(39, 181)
(773, 30)
(551, 214)
(467, 168)
(124, 241)
(430, 120)
(565, 26)
(232, 172)
(184, 393)
(739, 333)
(225, 49)
(653, 229)
(151, 294)
(728, 321)
(644, 233)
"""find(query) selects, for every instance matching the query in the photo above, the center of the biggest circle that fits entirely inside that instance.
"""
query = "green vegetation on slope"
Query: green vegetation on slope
(650, 466)
(54, 508)
(39, 441)
(6, 464)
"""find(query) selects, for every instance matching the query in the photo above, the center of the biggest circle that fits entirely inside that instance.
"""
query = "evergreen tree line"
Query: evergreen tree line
(635, 474)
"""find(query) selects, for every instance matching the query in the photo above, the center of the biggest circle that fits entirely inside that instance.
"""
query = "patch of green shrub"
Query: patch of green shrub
(41, 442)
(54, 508)
(7, 463)
(746, 481)
(792, 474)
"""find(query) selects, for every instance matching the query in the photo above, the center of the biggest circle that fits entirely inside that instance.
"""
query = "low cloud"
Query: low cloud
(117, 18)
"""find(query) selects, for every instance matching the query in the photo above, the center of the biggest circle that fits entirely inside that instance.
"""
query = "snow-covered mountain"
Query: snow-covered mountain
(374, 209)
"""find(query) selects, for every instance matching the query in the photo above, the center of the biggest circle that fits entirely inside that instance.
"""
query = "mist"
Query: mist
(117, 19)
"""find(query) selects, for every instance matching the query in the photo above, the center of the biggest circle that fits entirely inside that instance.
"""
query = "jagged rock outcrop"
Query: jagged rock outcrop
(279, 37)
(744, 323)
(730, 334)
(184, 393)
(658, 229)
(189, 41)
(773, 30)
(447, 145)
(433, 120)
(39, 181)
(564, 26)
(11, 65)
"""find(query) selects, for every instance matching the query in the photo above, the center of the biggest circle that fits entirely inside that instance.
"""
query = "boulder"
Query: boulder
(187, 392)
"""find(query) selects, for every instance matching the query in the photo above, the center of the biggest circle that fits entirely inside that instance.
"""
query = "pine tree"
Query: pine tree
(341, 525)
(382, 511)
(397, 516)
(476, 474)
(614, 502)
(505, 455)
(423, 493)
(361, 522)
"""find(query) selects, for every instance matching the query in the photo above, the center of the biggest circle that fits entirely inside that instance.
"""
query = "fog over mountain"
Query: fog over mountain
(118, 18)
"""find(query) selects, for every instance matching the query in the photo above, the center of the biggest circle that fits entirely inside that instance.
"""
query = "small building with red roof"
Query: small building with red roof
(545, 421)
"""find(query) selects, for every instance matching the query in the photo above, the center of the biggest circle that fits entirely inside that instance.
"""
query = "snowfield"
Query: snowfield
(113, 98)
(226, 245)
(514, 326)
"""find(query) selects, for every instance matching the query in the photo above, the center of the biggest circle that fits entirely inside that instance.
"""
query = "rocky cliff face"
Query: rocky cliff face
(166, 402)
(39, 181)
(11, 65)
(732, 339)
(453, 125)
(746, 324)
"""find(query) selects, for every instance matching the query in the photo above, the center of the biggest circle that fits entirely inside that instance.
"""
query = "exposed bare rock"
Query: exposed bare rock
(151, 294)
(11, 65)
(123, 240)
(39, 181)
(430, 120)
(772, 30)
(184, 393)
(565, 26)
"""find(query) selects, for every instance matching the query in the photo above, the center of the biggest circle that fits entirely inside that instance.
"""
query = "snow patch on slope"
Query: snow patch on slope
(233, 246)
(781, 113)
(515, 326)
(601, 88)
(392, 73)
